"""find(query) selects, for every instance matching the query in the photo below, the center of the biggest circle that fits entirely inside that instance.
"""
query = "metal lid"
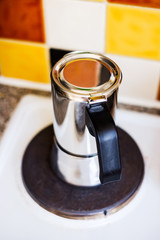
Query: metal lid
(84, 75)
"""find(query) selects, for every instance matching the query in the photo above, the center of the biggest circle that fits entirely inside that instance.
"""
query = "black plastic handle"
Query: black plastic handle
(101, 125)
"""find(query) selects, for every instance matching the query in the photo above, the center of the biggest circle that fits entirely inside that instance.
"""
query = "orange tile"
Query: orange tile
(24, 60)
(143, 3)
(22, 19)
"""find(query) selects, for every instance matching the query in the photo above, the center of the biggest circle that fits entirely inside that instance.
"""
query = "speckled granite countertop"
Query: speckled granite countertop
(10, 97)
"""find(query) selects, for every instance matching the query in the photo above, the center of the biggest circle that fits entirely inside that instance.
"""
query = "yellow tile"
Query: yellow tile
(133, 31)
(24, 60)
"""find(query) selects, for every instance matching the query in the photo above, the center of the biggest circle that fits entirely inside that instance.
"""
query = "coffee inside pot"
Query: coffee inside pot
(84, 93)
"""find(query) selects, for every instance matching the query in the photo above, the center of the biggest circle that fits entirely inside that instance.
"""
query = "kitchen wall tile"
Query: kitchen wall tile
(144, 3)
(24, 60)
(133, 31)
(56, 55)
(140, 77)
(22, 20)
(75, 25)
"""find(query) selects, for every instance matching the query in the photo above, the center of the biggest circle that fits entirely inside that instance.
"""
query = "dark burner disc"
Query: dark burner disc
(75, 202)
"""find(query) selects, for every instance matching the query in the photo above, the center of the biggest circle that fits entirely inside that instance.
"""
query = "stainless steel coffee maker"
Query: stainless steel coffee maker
(84, 92)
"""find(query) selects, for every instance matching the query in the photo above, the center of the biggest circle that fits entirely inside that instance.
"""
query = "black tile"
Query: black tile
(56, 55)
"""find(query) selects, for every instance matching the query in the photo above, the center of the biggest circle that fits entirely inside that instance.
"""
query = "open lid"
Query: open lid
(84, 75)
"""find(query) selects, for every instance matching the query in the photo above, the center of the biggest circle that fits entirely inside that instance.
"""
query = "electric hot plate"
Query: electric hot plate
(66, 200)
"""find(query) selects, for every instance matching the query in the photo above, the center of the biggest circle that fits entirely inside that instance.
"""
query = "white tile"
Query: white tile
(140, 77)
(75, 25)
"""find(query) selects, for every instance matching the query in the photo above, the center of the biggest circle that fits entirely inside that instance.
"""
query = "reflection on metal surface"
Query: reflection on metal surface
(69, 124)
(104, 78)
(60, 107)
(75, 169)
(86, 73)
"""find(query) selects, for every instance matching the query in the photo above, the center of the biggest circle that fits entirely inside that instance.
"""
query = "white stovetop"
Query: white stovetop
(22, 218)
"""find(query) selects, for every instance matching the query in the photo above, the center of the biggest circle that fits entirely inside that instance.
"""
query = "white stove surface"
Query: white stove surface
(22, 218)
